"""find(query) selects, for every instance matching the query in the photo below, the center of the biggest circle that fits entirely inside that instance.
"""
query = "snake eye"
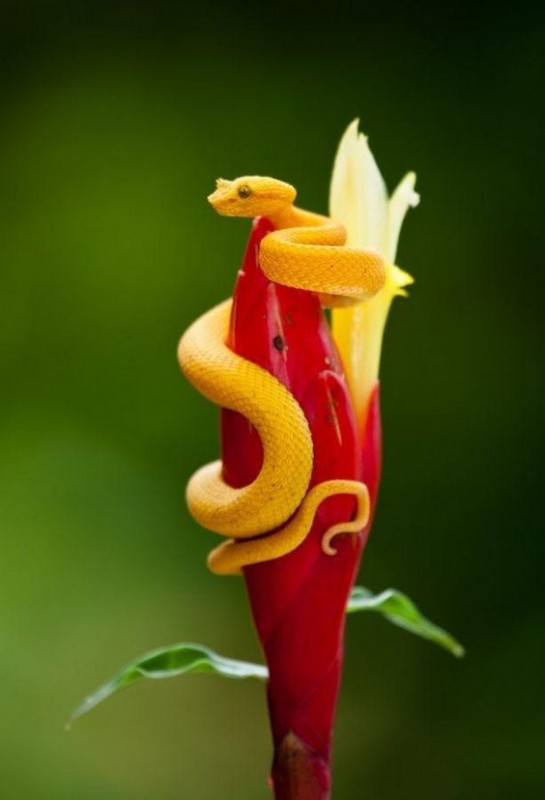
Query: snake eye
(244, 192)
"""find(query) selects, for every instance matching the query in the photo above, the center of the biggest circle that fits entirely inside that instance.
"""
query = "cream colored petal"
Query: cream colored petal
(359, 200)
(402, 199)
(358, 197)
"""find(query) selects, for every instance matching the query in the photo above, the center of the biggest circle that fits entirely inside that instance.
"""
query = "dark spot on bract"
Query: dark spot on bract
(278, 343)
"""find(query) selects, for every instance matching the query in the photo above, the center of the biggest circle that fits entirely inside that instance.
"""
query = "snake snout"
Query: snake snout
(221, 193)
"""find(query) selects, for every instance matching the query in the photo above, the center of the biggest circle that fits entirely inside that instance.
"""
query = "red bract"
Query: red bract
(298, 601)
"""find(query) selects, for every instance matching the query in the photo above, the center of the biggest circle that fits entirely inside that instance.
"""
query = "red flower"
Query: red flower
(298, 601)
(298, 596)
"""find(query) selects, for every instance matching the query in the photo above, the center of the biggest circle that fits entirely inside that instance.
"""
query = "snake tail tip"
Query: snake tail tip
(327, 547)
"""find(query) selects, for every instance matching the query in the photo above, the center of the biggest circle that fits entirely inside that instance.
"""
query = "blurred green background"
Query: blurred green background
(116, 119)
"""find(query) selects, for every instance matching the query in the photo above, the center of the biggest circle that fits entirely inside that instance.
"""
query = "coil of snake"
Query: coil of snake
(305, 251)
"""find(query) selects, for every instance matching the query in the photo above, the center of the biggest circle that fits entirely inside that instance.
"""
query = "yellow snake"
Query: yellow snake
(306, 252)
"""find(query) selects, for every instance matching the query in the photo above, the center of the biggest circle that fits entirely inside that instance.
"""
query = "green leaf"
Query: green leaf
(168, 662)
(400, 609)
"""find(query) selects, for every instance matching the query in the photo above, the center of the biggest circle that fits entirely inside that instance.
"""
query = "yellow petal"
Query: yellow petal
(401, 279)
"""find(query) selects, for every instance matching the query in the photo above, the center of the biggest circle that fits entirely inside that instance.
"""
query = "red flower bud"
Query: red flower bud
(298, 601)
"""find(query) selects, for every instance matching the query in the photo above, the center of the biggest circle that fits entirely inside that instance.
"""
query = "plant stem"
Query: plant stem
(298, 773)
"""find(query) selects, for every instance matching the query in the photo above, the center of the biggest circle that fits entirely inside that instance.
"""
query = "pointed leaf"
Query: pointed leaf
(400, 609)
(169, 662)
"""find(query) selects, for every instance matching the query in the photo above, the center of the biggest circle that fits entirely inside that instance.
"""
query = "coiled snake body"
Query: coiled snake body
(306, 252)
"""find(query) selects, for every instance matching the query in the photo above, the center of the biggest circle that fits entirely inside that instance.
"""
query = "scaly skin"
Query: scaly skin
(305, 252)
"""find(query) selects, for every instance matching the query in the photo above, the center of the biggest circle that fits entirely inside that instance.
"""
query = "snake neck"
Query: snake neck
(292, 217)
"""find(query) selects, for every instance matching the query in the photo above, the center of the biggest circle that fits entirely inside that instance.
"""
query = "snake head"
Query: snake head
(251, 196)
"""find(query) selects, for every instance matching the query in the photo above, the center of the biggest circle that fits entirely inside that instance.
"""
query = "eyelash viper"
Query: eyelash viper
(305, 251)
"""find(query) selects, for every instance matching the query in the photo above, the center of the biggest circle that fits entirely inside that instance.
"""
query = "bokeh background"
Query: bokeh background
(116, 117)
